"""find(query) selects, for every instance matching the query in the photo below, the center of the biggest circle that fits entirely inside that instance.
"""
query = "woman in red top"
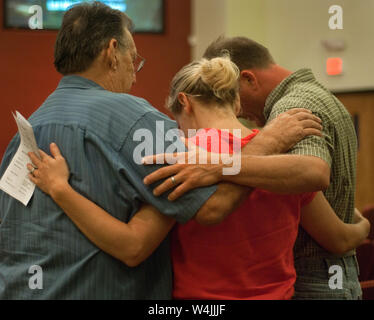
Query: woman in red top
(248, 255)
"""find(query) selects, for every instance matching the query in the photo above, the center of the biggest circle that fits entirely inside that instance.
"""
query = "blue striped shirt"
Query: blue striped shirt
(94, 129)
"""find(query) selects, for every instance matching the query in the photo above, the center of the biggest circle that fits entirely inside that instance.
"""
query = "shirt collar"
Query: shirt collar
(79, 82)
(302, 75)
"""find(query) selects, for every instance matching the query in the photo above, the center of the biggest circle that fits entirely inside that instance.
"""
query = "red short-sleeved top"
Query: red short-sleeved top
(247, 256)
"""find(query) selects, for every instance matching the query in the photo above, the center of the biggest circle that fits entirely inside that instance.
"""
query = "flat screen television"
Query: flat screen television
(147, 15)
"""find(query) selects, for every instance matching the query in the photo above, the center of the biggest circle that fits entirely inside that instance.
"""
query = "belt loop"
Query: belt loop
(346, 266)
(327, 264)
(357, 265)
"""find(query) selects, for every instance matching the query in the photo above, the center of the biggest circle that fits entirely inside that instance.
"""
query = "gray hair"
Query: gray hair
(86, 30)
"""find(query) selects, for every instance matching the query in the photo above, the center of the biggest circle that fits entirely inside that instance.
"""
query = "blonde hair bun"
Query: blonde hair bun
(221, 75)
(214, 80)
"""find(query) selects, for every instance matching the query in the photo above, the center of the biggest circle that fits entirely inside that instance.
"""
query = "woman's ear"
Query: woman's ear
(185, 102)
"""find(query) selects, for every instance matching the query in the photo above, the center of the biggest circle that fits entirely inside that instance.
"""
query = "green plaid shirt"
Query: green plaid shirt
(338, 147)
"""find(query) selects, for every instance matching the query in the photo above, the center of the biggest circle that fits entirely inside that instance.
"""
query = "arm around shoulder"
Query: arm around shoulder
(224, 201)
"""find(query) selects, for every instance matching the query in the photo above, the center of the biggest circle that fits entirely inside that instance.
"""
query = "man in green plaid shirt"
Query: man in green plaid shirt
(329, 162)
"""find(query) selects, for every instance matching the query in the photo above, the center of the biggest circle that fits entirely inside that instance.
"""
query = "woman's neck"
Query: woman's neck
(220, 118)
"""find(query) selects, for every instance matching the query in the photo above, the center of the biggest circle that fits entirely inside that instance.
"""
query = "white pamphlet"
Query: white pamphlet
(15, 180)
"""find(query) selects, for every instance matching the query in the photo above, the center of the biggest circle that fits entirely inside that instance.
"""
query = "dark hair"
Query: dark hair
(244, 52)
(86, 30)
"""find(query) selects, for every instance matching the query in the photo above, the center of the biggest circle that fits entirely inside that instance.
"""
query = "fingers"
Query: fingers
(43, 155)
(55, 151)
(184, 140)
(297, 110)
(153, 158)
(312, 132)
(33, 172)
(166, 158)
(179, 191)
(32, 178)
(303, 114)
(181, 187)
(34, 159)
(311, 124)
(307, 116)
(30, 167)
(173, 158)
(162, 173)
(167, 185)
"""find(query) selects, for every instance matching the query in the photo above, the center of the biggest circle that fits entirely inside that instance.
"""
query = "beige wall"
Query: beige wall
(209, 21)
(296, 29)
(293, 31)
(247, 18)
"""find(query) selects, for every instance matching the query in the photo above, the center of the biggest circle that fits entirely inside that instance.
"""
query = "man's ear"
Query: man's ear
(111, 53)
(249, 78)
(185, 102)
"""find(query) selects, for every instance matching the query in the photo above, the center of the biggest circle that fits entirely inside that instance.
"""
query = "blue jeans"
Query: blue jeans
(314, 282)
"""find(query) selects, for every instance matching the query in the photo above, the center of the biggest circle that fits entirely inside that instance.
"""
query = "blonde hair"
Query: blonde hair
(214, 80)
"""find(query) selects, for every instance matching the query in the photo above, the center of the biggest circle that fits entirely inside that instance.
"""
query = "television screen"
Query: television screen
(147, 15)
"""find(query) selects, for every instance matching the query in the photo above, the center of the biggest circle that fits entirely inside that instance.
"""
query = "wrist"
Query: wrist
(262, 145)
(228, 171)
(216, 171)
(59, 189)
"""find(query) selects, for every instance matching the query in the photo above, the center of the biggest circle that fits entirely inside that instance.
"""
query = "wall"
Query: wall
(361, 106)
(208, 22)
(247, 18)
(296, 28)
(28, 75)
(293, 31)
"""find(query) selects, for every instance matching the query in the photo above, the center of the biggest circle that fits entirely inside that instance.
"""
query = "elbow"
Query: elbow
(340, 247)
(214, 211)
(208, 220)
(132, 258)
(320, 176)
(131, 261)
(209, 216)
(321, 182)
(324, 176)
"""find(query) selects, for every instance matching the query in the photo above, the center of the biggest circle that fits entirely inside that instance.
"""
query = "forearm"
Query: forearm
(354, 235)
(224, 201)
(109, 234)
(344, 238)
(282, 173)
(324, 226)
(263, 145)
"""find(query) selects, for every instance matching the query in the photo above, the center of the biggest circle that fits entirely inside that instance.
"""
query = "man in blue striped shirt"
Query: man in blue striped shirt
(93, 121)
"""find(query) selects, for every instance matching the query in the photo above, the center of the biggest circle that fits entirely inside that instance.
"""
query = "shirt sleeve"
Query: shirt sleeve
(155, 133)
(307, 198)
(321, 147)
